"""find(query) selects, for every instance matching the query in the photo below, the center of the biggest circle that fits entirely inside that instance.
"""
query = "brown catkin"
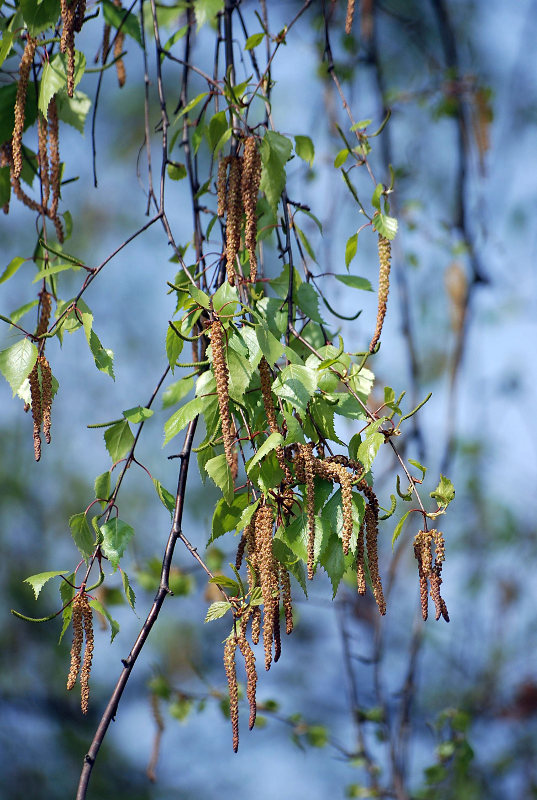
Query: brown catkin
(221, 181)
(371, 528)
(309, 460)
(42, 137)
(87, 616)
(37, 408)
(251, 177)
(285, 583)
(20, 106)
(79, 15)
(67, 41)
(422, 555)
(384, 250)
(105, 46)
(266, 392)
(76, 647)
(360, 564)
(276, 620)
(120, 64)
(231, 674)
(55, 172)
(344, 479)
(221, 376)
(252, 561)
(45, 299)
(349, 17)
(240, 551)
(256, 624)
(234, 217)
(46, 395)
(265, 560)
(251, 676)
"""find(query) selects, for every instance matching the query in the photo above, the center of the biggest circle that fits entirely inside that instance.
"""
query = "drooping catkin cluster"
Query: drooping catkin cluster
(72, 12)
(430, 572)
(266, 392)
(349, 17)
(385, 251)
(237, 195)
(251, 178)
(40, 379)
(221, 376)
(82, 621)
(233, 689)
(268, 580)
(118, 49)
(20, 106)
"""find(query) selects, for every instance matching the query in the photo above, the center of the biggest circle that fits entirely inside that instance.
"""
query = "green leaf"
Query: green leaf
(226, 515)
(240, 374)
(8, 96)
(294, 430)
(82, 534)
(225, 299)
(13, 265)
(118, 17)
(176, 172)
(296, 384)
(73, 110)
(419, 466)
(253, 40)
(217, 128)
(116, 536)
(341, 157)
(104, 359)
(192, 104)
(174, 347)
(386, 226)
(225, 582)
(5, 45)
(127, 588)
(271, 443)
(47, 271)
(199, 296)
(16, 315)
(399, 527)
(177, 391)
(375, 200)
(138, 414)
(5, 188)
(369, 448)
(166, 498)
(391, 511)
(40, 14)
(17, 362)
(275, 151)
(247, 515)
(271, 347)
(362, 123)
(350, 251)
(217, 610)
(38, 581)
(119, 440)
(304, 149)
(182, 417)
(114, 625)
(102, 488)
(54, 77)
(307, 300)
(218, 469)
(444, 492)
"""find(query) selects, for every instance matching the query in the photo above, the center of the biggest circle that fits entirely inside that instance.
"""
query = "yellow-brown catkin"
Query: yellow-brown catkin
(76, 647)
(252, 561)
(422, 554)
(87, 617)
(251, 177)
(231, 674)
(20, 105)
(221, 186)
(105, 46)
(256, 624)
(251, 676)
(385, 251)
(42, 137)
(340, 474)
(240, 551)
(45, 299)
(67, 41)
(37, 409)
(221, 376)
(79, 15)
(285, 583)
(120, 64)
(54, 167)
(266, 392)
(436, 571)
(308, 457)
(371, 528)
(360, 565)
(234, 217)
(349, 17)
(265, 563)
(46, 395)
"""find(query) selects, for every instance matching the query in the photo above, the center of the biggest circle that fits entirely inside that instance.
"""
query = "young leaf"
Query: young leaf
(369, 448)
(166, 498)
(247, 515)
(225, 299)
(253, 40)
(176, 172)
(350, 251)
(67, 592)
(274, 440)
(355, 281)
(271, 347)
(54, 77)
(183, 416)
(296, 384)
(102, 488)
(116, 536)
(73, 110)
(137, 414)
(218, 469)
(444, 492)
(217, 610)
(127, 588)
(17, 361)
(304, 149)
(114, 625)
(119, 440)
(386, 226)
(226, 515)
(275, 152)
(82, 535)
(375, 200)
(399, 527)
(307, 300)
(177, 391)
(174, 347)
(192, 104)
(40, 16)
(13, 265)
(38, 581)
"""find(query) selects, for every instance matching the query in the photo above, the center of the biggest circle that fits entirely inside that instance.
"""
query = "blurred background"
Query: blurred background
(356, 707)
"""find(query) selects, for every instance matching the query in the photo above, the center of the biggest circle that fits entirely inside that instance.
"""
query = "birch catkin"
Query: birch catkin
(221, 376)
(234, 217)
(384, 250)
(231, 674)
(251, 177)
(20, 106)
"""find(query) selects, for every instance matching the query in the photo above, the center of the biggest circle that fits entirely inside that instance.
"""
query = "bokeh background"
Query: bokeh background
(461, 83)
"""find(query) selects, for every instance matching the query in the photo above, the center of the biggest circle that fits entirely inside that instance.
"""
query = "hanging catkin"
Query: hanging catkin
(231, 674)
(20, 106)
(221, 376)
(234, 217)
(384, 250)
(349, 17)
(251, 177)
